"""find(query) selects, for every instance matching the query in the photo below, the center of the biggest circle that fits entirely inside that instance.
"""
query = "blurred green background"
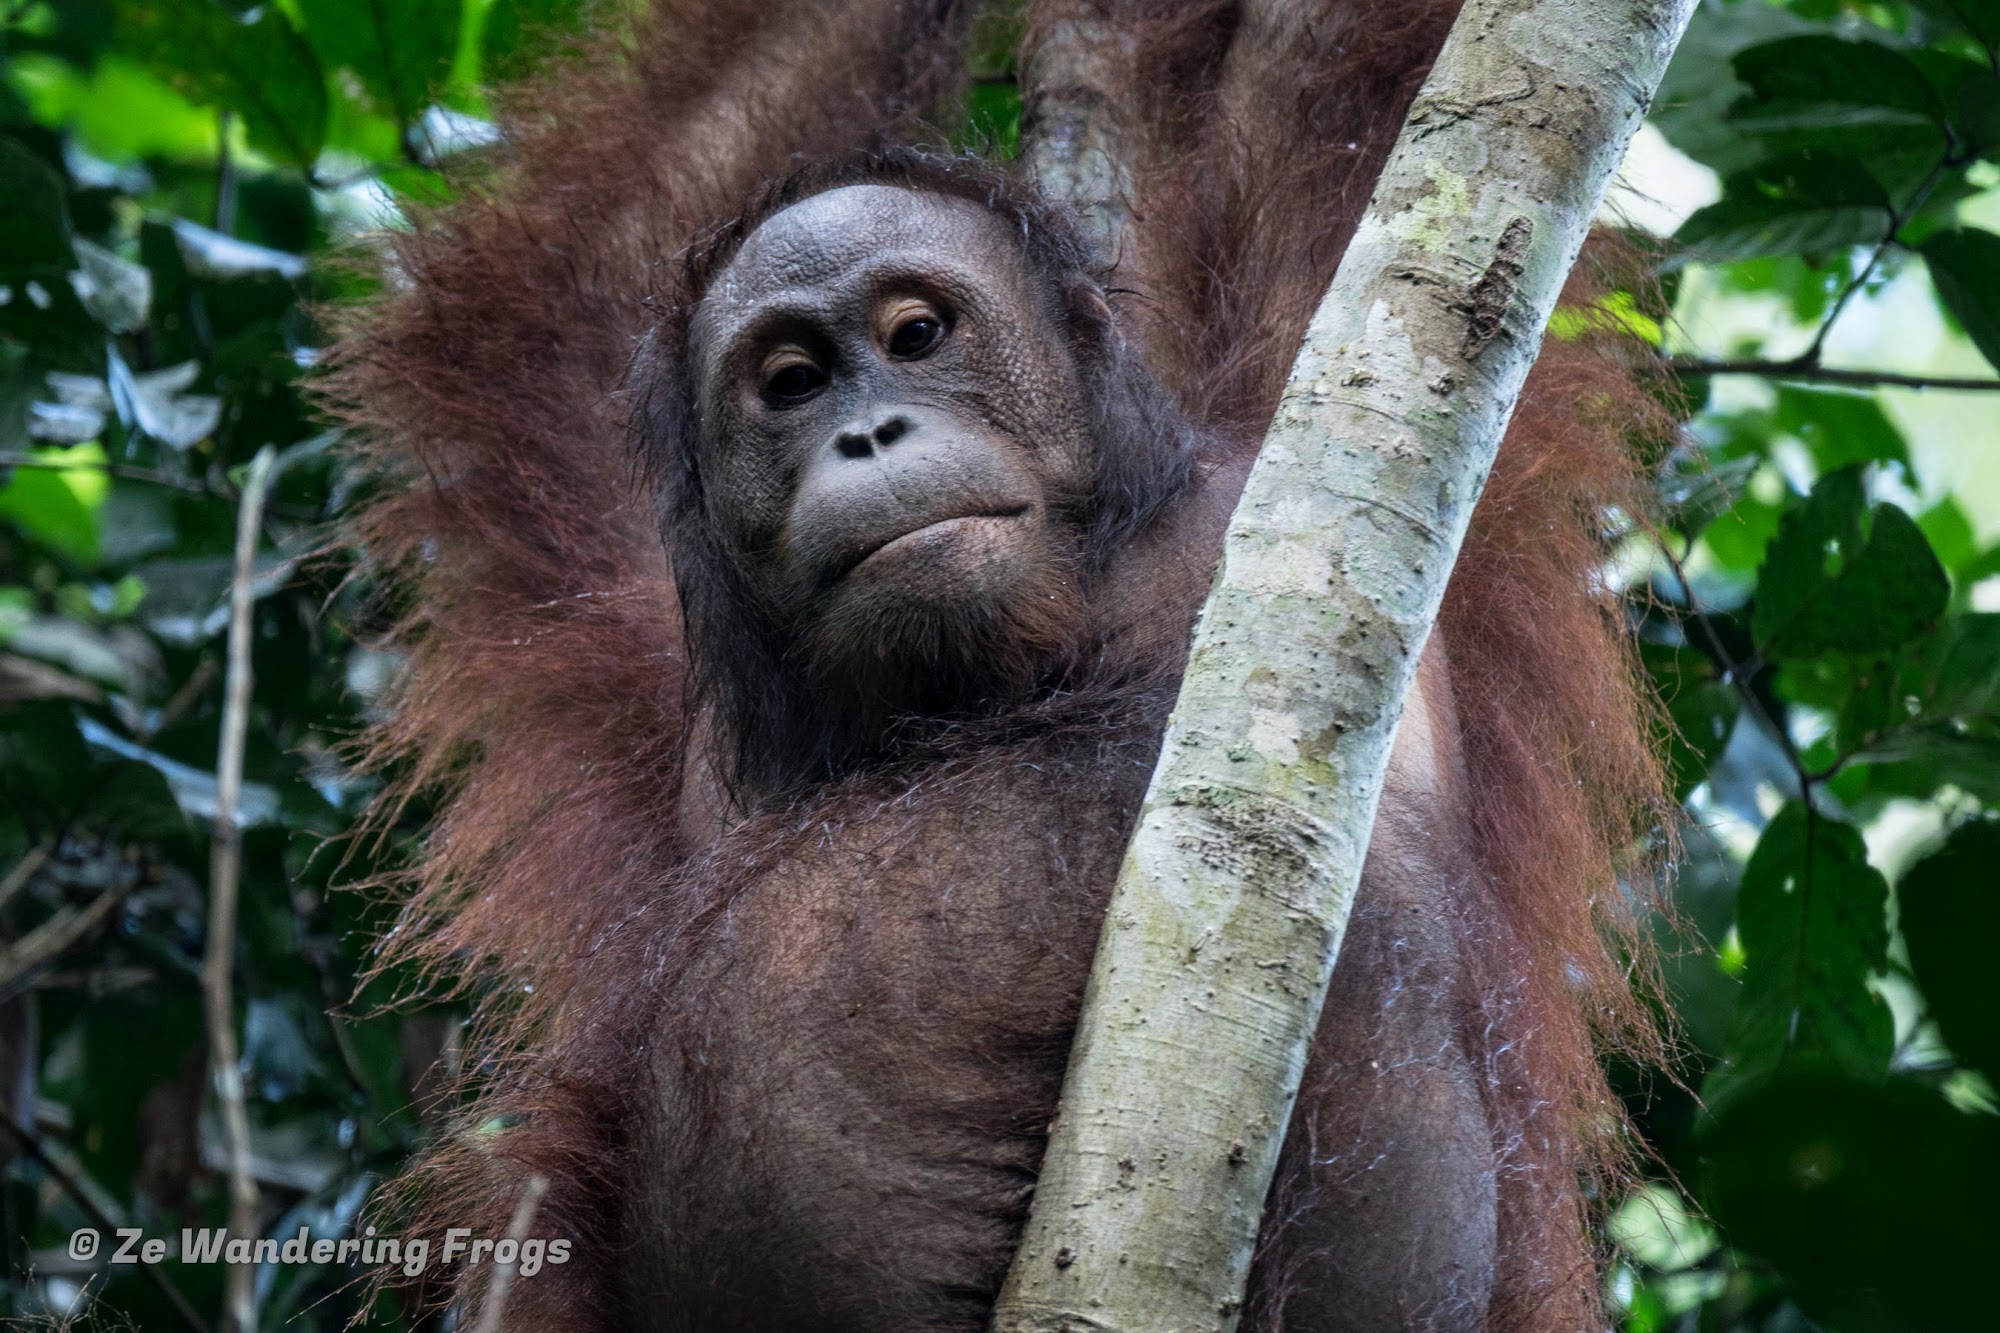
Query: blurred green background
(184, 182)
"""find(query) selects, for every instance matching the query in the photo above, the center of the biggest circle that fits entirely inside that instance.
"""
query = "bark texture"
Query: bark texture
(1232, 900)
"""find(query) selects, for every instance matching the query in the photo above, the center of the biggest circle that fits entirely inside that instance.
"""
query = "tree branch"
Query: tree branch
(24, 870)
(1798, 370)
(25, 958)
(225, 871)
(1077, 146)
(1212, 968)
(11, 459)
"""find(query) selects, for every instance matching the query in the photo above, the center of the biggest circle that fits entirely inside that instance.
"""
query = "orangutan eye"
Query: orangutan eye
(791, 381)
(914, 337)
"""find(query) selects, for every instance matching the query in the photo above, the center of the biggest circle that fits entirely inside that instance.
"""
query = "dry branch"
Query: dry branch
(225, 872)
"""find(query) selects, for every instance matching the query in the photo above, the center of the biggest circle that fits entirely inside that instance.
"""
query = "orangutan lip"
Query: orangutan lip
(871, 552)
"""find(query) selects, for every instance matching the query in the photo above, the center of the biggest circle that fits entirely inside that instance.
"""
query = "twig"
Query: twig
(191, 689)
(494, 1306)
(225, 869)
(1898, 218)
(27, 956)
(1800, 370)
(1740, 678)
(130, 472)
(24, 870)
(32, 1145)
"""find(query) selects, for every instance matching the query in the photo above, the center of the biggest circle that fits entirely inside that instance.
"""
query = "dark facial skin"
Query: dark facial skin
(891, 442)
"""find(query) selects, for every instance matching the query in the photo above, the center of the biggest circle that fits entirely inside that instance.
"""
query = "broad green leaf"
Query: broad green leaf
(1965, 266)
(1739, 537)
(1803, 203)
(1976, 116)
(111, 657)
(1829, 72)
(58, 505)
(258, 67)
(118, 110)
(1970, 93)
(1950, 533)
(212, 255)
(1840, 427)
(1616, 313)
(1698, 88)
(1812, 916)
(1858, 98)
(1656, 1227)
(400, 49)
(77, 30)
(1949, 909)
(1841, 576)
(1919, 761)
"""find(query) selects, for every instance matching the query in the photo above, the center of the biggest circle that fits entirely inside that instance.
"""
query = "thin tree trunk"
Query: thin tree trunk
(1074, 135)
(1229, 909)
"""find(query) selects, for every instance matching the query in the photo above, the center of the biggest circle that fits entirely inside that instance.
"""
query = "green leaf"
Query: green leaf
(1950, 533)
(1843, 577)
(1801, 203)
(1812, 916)
(1918, 761)
(400, 49)
(1840, 427)
(1950, 914)
(1739, 536)
(518, 33)
(994, 118)
(1970, 92)
(1965, 680)
(258, 67)
(34, 226)
(45, 767)
(1965, 265)
(121, 112)
(1872, 1198)
(1818, 71)
(1979, 19)
(1860, 99)
(58, 505)
(1698, 88)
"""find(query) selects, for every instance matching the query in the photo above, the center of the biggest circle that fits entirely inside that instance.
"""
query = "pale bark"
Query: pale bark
(1229, 909)
(1075, 138)
(218, 961)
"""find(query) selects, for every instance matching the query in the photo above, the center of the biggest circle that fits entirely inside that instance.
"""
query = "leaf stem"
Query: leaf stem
(1898, 218)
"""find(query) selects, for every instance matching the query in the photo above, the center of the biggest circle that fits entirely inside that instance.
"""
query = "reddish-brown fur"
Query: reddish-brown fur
(544, 702)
